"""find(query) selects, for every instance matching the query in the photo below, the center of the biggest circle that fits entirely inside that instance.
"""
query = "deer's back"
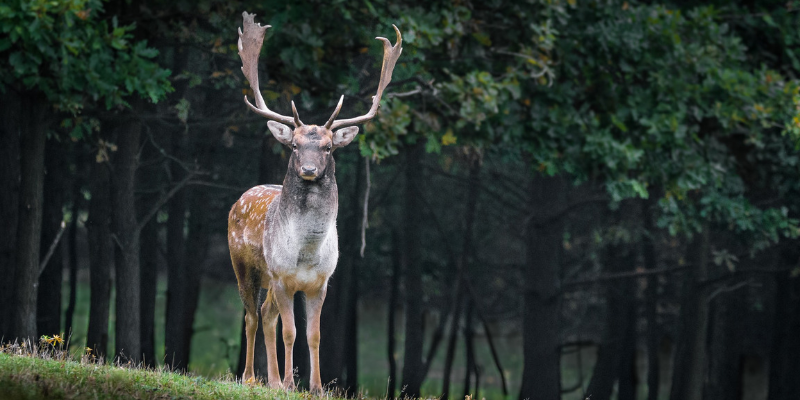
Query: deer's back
(247, 222)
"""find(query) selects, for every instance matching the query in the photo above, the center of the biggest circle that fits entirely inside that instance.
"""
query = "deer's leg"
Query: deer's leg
(285, 301)
(269, 318)
(314, 302)
(248, 291)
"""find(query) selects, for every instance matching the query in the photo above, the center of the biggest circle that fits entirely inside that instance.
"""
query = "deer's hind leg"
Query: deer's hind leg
(269, 318)
(249, 286)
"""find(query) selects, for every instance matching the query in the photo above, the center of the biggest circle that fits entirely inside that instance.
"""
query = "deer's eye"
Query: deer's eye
(328, 148)
(294, 146)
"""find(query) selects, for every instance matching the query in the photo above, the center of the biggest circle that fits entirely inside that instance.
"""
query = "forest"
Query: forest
(558, 199)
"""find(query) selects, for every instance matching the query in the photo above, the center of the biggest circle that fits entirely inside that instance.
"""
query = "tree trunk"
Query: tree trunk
(128, 307)
(176, 242)
(10, 126)
(393, 302)
(785, 351)
(78, 204)
(101, 258)
(184, 280)
(690, 356)
(627, 366)
(724, 353)
(149, 181)
(651, 301)
(412, 359)
(29, 227)
(350, 304)
(617, 349)
(186, 290)
(451, 341)
(149, 257)
(462, 270)
(48, 310)
(541, 375)
(469, 346)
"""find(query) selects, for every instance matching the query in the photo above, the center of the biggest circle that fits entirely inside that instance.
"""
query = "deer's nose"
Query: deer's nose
(308, 169)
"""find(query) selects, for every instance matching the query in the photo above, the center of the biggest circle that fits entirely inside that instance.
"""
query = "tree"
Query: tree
(61, 56)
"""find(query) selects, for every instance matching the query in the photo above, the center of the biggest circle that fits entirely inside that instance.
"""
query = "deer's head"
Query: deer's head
(311, 145)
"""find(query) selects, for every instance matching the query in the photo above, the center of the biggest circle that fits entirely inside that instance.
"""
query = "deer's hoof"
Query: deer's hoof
(248, 378)
(316, 390)
(289, 386)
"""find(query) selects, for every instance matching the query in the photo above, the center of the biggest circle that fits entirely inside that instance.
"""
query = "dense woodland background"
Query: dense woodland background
(558, 198)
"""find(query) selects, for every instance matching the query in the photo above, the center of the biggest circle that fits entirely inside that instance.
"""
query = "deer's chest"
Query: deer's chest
(303, 248)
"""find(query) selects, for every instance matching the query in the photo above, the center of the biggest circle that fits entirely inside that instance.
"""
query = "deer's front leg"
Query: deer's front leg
(285, 301)
(269, 318)
(313, 310)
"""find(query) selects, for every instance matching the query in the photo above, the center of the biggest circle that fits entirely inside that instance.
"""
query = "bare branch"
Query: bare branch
(52, 248)
(364, 220)
(163, 200)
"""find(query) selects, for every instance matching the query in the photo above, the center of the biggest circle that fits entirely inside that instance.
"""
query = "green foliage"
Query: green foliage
(652, 97)
(69, 51)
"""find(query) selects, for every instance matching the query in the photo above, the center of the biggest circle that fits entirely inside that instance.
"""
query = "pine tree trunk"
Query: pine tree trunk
(412, 359)
(128, 279)
(29, 226)
(9, 203)
(101, 258)
(48, 310)
(690, 356)
(541, 375)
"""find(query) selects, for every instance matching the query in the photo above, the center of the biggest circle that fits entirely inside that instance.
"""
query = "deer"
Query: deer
(283, 238)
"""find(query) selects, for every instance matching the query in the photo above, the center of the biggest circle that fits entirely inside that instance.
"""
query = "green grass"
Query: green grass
(35, 377)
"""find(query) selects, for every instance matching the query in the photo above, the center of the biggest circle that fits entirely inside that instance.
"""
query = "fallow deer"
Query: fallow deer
(283, 238)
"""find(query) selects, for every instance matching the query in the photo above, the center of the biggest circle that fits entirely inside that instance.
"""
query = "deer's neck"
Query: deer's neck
(309, 208)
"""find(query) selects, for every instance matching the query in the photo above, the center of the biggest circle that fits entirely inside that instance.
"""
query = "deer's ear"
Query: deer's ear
(281, 132)
(344, 136)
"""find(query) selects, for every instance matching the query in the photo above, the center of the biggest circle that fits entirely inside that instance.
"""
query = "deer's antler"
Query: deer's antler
(390, 56)
(250, 42)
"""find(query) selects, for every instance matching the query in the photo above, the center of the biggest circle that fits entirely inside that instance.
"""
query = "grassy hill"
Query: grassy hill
(25, 376)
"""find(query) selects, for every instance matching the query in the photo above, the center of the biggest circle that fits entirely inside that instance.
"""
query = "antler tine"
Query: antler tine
(297, 121)
(390, 56)
(335, 113)
(250, 41)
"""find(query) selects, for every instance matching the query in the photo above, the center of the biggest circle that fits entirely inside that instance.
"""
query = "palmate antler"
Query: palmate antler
(250, 46)
(390, 56)
(250, 42)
